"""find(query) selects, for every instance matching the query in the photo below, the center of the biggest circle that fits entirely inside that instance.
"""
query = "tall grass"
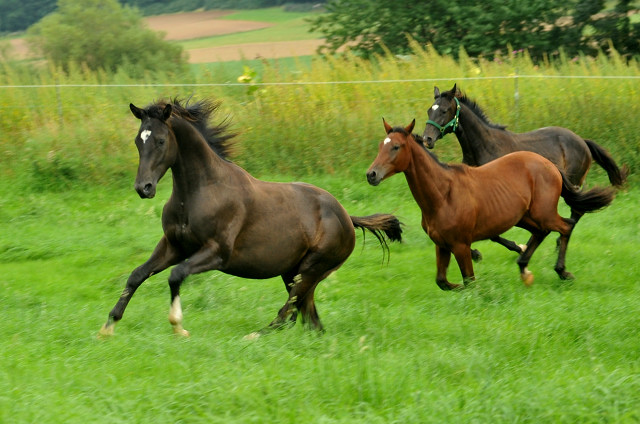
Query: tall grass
(79, 134)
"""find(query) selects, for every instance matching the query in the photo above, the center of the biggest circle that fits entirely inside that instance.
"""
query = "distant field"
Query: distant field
(218, 36)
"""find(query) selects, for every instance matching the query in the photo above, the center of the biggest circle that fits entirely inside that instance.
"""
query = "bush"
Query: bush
(100, 34)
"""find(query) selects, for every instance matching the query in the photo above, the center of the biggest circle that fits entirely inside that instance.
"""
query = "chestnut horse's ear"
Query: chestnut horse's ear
(409, 128)
(436, 92)
(137, 112)
(387, 127)
(166, 113)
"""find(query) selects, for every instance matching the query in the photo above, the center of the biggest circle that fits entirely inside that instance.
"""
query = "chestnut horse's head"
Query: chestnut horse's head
(443, 116)
(394, 153)
(156, 145)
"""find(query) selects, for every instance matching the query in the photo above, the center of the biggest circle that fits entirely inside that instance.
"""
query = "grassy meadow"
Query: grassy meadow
(396, 347)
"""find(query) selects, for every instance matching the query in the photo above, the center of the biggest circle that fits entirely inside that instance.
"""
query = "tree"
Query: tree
(482, 28)
(101, 34)
(18, 15)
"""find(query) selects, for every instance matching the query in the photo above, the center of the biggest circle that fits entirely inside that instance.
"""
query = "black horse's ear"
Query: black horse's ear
(387, 127)
(454, 90)
(137, 112)
(409, 128)
(436, 92)
(166, 113)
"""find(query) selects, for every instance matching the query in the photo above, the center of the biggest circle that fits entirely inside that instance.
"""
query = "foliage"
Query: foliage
(543, 27)
(296, 124)
(100, 34)
(18, 15)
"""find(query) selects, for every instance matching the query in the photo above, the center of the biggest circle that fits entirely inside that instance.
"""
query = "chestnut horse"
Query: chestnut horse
(482, 141)
(219, 217)
(462, 204)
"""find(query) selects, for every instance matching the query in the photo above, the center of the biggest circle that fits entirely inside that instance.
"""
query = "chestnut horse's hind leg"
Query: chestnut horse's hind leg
(537, 237)
(563, 241)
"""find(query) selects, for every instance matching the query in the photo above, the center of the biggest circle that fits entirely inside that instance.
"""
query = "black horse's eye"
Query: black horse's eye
(160, 142)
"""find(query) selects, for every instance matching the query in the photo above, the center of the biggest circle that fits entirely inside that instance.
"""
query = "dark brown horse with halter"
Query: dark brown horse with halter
(221, 218)
(482, 142)
(461, 204)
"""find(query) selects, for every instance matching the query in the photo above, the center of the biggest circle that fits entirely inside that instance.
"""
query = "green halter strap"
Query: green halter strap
(453, 123)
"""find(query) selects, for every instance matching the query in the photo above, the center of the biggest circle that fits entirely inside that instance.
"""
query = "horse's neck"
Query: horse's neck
(480, 142)
(427, 179)
(196, 164)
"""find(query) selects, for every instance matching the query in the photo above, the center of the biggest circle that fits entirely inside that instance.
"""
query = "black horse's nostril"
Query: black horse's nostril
(147, 188)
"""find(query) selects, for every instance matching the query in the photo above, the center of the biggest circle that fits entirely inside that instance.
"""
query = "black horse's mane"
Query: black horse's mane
(199, 114)
(471, 104)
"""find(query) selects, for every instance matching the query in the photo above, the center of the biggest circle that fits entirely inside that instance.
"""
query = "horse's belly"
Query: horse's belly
(263, 260)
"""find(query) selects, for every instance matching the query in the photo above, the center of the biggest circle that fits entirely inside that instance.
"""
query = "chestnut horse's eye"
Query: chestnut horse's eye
(395, 147)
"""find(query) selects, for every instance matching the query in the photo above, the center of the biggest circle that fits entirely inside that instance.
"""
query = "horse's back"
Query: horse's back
(567, 150)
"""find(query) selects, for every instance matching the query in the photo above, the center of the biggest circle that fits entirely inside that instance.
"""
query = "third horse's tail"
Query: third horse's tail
(586, 201)
(617, 176)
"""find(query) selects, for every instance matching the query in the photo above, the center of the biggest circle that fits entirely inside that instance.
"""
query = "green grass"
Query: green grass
(396, 349)
(286, 26)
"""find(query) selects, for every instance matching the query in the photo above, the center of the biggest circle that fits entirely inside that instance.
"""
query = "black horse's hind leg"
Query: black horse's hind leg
(162, 257)
(289, 282)
(563, 242)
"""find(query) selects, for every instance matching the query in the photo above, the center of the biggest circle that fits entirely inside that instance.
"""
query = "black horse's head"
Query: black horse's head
(443, 116)
(156, 145)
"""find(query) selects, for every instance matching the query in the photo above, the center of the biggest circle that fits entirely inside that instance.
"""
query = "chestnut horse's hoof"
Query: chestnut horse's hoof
(527, 277)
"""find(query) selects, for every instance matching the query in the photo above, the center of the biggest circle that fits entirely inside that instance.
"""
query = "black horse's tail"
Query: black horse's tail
(586, 201)
(617, 176)
(379, 225)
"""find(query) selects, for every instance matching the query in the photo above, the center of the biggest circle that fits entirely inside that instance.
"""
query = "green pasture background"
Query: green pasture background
(396, 349)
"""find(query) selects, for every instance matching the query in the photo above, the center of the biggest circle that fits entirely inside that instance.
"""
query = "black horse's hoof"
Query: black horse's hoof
(476, 256)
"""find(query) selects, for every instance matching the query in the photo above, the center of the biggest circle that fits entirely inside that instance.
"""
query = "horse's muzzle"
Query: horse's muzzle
(146, 190)
(373, 178)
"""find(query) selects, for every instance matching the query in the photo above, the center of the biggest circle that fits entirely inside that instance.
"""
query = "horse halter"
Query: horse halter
(453, 123)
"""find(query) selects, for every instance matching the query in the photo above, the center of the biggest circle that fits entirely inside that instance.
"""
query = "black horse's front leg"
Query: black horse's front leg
(162, 257)
(205, 259)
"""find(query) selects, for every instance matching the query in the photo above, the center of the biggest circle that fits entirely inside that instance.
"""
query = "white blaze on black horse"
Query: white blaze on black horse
(482, 141)
(462, 204)
(221, 218)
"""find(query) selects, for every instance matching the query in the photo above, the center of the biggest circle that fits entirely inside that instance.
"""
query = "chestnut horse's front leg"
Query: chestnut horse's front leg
(462, 252)
(443, 256)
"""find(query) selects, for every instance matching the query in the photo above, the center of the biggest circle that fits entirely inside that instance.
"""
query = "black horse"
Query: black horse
(483, 141)
(221, 218)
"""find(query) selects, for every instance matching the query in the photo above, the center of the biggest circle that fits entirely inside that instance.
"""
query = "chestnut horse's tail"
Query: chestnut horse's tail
(586, 201)
(617, 176)
(379, 225)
